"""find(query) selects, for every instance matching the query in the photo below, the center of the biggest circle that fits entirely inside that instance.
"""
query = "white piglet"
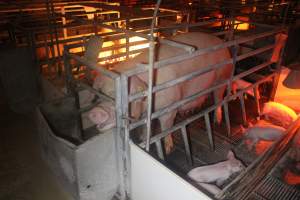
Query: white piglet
(268, 132)
(218, 172)
(279, 114)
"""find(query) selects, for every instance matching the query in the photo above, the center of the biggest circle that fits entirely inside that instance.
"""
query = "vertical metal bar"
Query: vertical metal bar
(188, 19)
(227, 119)
(187, 146)
(68, 71)
(256, 98)
(209, 132)
(242, 101)
(95, 24)
(276, 78)
(49, 22)
(47, 54)
(127, 38)
(126, 151)
(53, 18)
(150, 75)
(159, 149)
(119, 138)
(64, 22)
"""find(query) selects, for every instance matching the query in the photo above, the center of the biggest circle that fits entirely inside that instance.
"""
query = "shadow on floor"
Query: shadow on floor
(23, 174)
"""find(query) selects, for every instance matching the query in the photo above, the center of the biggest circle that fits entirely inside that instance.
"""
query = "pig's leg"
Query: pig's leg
(167, 121)
(218, 96)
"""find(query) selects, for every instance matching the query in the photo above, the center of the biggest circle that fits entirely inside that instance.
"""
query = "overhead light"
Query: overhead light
(293, 78)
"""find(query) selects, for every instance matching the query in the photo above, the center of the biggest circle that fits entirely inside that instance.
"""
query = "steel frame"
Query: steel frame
(123, 99)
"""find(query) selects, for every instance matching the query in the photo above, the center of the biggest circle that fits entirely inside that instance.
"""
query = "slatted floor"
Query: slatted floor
(273, 189)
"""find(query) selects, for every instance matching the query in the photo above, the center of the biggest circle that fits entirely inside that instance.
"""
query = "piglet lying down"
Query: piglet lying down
(216, 173)
(263, 131)
(279, 114)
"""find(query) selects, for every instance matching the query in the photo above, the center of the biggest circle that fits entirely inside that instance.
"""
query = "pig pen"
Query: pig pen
(209, 143)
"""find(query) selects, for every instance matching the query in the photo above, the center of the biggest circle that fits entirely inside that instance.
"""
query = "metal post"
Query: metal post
(242, 101)
(159, 149)
(49, 21)
(256, 97)
(150, 75)
(53, 19)
(64, 22)
(187, 146)
(127, 38)
(209, 132)
(120, 140)
(126, 138)
(276, 78)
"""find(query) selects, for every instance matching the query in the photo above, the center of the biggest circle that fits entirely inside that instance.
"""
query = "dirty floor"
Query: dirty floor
(23, 174)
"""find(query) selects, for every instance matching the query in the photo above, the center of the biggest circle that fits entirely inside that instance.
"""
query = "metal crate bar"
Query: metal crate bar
(162, 63)
(207, 110)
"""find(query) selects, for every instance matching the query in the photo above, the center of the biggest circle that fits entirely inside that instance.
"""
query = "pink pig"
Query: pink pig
(175, 93)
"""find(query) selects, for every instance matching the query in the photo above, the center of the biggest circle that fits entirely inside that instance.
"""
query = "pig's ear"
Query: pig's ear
(230, 155)
(136, 85)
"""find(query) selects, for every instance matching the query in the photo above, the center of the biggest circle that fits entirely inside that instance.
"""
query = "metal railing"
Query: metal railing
(123, 98)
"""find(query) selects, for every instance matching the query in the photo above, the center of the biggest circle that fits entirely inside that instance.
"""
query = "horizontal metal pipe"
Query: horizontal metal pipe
(94, 66)
(202, 113)
(120, 55)
(173, 82)
(162, 63)
(205, 70)
(255, 52)
(94, 91)
(252, 70)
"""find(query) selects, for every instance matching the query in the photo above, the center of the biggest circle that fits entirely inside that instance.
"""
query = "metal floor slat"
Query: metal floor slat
(273, 189)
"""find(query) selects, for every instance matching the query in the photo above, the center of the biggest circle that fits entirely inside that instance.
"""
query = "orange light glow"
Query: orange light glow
(122, 50)
(242, 26)
(291, 178)
(287, 96)
(269, 106)
(262, 146)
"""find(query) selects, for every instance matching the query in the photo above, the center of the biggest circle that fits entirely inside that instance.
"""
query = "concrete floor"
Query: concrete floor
(23, 174)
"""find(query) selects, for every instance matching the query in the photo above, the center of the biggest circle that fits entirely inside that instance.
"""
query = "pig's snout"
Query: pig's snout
(103, 115)
(98, 115)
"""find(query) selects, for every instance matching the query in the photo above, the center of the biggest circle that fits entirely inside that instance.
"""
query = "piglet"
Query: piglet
(218, 172)
(279, 114)
(263, 131)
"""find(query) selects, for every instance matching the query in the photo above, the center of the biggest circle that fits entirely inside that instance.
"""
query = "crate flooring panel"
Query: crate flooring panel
(272, 188)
